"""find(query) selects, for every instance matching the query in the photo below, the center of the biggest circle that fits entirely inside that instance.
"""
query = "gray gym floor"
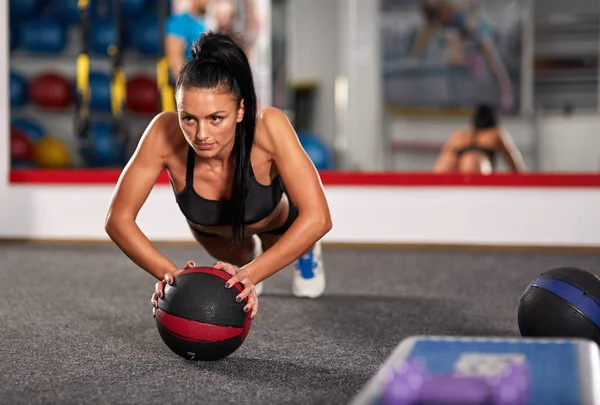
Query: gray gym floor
(77, 324)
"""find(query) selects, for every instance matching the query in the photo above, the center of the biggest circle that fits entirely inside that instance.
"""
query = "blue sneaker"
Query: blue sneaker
(309, 274)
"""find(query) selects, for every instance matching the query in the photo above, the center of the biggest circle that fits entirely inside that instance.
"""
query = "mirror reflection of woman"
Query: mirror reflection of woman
(477, 149)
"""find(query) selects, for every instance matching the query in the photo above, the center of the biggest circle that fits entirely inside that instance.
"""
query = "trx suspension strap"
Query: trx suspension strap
(167, 96)
(82, 99)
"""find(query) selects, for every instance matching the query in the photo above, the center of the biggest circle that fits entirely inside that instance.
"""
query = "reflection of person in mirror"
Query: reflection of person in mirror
(475, 150)
(182, 29)
(223, 17)
(461, 22)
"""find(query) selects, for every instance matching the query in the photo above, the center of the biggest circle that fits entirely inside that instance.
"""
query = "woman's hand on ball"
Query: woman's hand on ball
(243, 277)
(159, 287)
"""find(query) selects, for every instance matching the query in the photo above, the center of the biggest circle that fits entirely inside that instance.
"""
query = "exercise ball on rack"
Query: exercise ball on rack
(104, 148)
(142, 95)
(100, 92)
(65, 11)
(103, 35)
(51, 152)
(18, 90)
(21, 147)
(34, 130)
(153, 6)
(14, 37)
(43, 36)
(130, 8)
(316, 149)
(144, 35)
(22, 9)
(51, 90)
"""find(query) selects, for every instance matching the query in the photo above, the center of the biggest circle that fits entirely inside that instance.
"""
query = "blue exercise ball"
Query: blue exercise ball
(153, 6)
(21, 9)
(14, 38)
(18, 90)
(21, 165)
(30, 126)
(102, 35)
(130, 8)
(104, 149)
(316, 150)
(100, 92)
(65, 11)
(144, 36)
(43, 36)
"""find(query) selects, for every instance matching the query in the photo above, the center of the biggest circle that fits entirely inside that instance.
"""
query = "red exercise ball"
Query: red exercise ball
(21, 148)
(142, 95)
(51, 90)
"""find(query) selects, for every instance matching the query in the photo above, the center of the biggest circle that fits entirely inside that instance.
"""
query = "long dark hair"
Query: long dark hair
(218, 61)
(484, 117)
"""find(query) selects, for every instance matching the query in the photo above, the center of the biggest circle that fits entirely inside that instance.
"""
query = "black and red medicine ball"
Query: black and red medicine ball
(199, 319)
(561, 303)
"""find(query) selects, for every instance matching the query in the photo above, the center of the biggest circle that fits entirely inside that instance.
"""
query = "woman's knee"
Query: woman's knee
(474, 163)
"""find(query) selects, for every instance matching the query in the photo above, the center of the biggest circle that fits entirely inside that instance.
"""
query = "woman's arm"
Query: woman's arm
(303, 186)
(446, 161)
(175, 43)
(511, 152)
(132, 190)
(174, 53)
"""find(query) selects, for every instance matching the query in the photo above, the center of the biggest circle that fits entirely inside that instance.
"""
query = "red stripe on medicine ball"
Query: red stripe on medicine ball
(193, 331)
(214, 272)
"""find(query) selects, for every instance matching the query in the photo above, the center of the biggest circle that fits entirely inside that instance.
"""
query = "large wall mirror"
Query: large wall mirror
(403, 86)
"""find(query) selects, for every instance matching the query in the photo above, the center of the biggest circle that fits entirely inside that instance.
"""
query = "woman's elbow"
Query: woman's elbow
(113, 225)
(324, 223)
(110, 226)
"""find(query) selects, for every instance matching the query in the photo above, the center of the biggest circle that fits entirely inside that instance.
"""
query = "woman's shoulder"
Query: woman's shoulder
(270, 122)
(162, 131)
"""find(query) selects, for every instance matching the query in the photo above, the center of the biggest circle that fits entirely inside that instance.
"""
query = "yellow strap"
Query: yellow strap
(118, 91)
(162, 82)
(83, 76)
(162, 72)
(167, 99)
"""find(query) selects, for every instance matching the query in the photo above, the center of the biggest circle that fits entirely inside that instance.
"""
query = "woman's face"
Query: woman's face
(225, 16)
(198, 6)
(208, 118)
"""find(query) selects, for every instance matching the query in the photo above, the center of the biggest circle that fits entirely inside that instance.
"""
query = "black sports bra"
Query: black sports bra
(260, 202)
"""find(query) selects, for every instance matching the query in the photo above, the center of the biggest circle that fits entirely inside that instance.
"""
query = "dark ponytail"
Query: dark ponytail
(218, 60)
(484, 117)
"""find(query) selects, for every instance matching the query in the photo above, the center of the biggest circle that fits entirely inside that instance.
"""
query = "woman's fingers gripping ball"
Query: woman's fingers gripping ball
(243, 277)
(159, 287)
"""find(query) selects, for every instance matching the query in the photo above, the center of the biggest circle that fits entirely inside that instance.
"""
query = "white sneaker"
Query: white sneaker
(309, 274)
(258, 250)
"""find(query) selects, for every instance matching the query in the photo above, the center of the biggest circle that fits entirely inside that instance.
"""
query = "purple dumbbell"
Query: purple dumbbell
(411, 384)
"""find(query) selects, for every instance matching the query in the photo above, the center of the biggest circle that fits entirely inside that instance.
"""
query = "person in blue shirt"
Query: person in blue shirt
(181, 31)
(465, 21)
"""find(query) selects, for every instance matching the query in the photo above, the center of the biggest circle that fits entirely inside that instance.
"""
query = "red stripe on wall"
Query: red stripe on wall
(92, 177)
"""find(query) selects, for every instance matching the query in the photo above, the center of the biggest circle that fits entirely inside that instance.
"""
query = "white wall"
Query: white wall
(328, 40)
(311, 55)
(423, 215)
